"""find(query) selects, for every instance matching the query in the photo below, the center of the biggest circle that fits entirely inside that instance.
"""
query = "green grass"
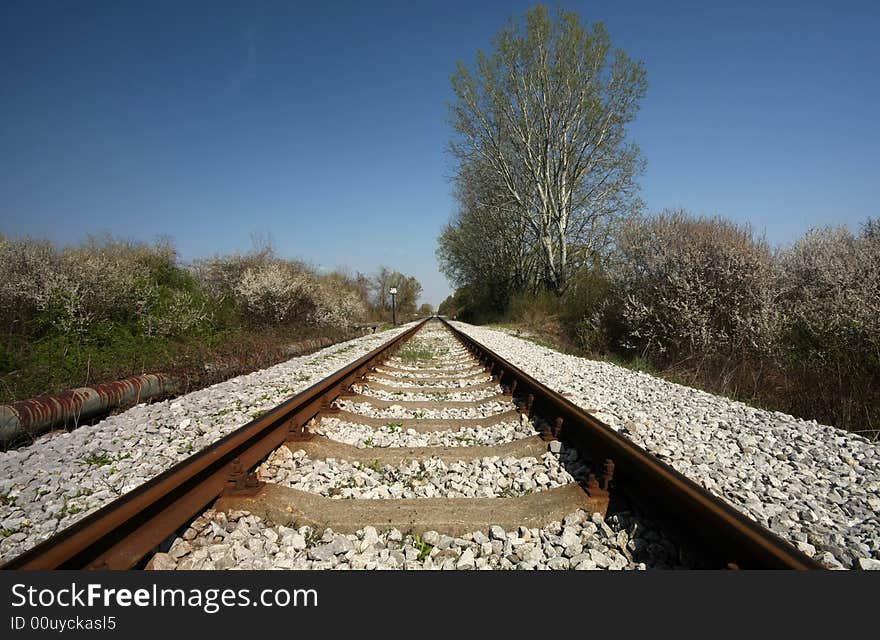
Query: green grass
(376, 466)
(415, 354)
(423, 547)
(102, 459)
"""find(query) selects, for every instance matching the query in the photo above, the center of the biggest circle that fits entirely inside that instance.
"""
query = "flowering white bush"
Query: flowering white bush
(337, 307)
(276, 292)
(110, 281)
(829, 282)
(27, 273)
(694, 285)
(101, 281)
(221, 275)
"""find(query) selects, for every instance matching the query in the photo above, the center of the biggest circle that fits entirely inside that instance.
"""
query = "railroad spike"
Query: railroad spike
(298, 433)
(593, 489)
(241, 482)
(607, 474)
(345, 391)
(529, 402)
(327, 407)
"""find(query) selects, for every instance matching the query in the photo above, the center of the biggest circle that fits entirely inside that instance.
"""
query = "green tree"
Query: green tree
(540, 123)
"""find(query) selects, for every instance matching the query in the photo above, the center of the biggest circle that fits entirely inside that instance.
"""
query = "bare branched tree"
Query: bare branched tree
(542, 120)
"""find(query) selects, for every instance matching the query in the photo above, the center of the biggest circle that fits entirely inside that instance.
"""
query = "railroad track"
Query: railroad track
(457, 457)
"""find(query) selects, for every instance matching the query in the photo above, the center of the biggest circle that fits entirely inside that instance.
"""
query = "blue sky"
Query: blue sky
(324, 125)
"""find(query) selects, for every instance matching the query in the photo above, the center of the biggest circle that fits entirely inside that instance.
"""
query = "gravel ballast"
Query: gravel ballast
(491, 477)
(61, 477)
(393, 436)
(217, 540)
(816, 486)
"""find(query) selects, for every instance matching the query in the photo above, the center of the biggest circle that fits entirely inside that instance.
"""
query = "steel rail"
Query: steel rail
(723, 535)
(120, 534)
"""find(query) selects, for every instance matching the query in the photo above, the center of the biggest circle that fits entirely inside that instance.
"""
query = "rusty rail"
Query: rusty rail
(120, 534)
(723, 534)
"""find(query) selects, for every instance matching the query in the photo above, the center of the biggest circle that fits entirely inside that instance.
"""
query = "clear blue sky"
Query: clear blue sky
(324, 124)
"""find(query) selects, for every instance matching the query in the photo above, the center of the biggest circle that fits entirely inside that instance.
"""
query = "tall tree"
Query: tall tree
(545, 115)
(408, 290)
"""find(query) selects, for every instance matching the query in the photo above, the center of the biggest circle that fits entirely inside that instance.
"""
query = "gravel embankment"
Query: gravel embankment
(817, 486)
(483, 410)
(49, 485)
(493, 477)
(453, 395)
(393, 436)
(242, 541)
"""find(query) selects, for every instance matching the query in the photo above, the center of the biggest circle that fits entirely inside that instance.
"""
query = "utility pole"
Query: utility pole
(393, 292)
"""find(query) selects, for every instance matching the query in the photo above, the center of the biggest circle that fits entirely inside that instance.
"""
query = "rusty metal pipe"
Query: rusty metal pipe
(29, 418)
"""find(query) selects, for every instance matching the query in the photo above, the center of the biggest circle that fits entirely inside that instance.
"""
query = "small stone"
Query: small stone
(497, 533)
(444, 542)
(869, 564)
(466, 560)
(162, 562)
(600, 559)
(322, 553)
(395, 535)
(371, 536)
(179, 549)
(555, 446)
(558, 563)
(227, 561)
(570, 537)
(341, 545)
(295, 541)
(431, 537)
(806, 548)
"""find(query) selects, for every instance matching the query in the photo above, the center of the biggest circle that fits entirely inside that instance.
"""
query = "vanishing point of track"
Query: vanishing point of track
(121, 534)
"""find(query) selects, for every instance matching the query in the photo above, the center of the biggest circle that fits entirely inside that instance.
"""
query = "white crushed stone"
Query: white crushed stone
(62, 477)
(490, 477)
(453, 395)
(817, 486)
(399, 381)
(391, 435)
(582, 541)
(482, 410)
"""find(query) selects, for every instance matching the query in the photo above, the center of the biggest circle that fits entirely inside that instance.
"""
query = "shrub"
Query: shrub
(338, 304)
(276, 292)
(28, 270)
(694, 285)
(104, 280)
(829, 283)
(273, 291)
